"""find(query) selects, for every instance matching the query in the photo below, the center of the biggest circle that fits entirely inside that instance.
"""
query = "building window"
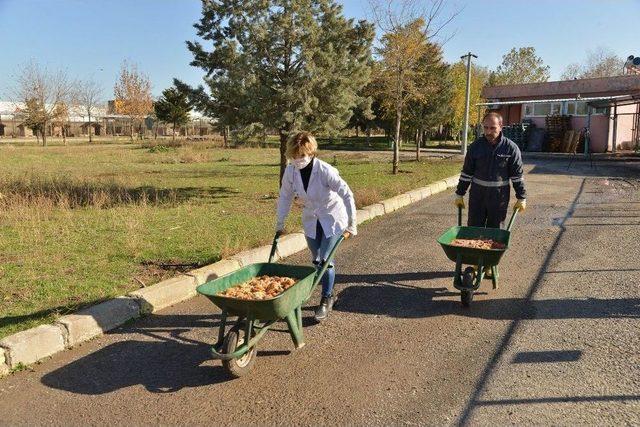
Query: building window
(541, 109)
(528, 110)
(573, 108)
(581, 108)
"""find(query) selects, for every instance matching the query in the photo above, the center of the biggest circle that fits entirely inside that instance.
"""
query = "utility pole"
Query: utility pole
(465, 128)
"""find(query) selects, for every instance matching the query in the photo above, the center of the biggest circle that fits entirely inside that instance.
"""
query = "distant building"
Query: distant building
(104, 122)
(609, 106)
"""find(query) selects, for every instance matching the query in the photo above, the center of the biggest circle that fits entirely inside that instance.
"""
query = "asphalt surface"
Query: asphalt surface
(558, 343)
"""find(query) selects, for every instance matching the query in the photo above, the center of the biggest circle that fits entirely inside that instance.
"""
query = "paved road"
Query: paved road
(558, 343)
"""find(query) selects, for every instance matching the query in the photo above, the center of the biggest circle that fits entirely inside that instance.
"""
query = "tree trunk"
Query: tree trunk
(174, 132)
(396, 142)
(418, 133)
(131, 130)
(368, 133)
(283, 148)
(43, 131)
(225, 137)
(64, 135)
(90, 140)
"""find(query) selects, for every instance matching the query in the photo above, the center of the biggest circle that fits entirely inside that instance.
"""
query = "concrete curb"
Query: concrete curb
(32, 345)
(27, 347)
(94, 321)
(4, 367)
(213, 271)
(166, 293)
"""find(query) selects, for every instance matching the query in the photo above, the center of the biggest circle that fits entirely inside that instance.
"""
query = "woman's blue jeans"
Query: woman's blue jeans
(320, 248)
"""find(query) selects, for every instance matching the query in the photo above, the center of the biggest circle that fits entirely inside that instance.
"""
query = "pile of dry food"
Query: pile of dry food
(258, 288)
(478, 243)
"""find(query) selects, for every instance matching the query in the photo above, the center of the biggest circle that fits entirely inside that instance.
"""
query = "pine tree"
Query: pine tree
(286, 64)
(173, 107)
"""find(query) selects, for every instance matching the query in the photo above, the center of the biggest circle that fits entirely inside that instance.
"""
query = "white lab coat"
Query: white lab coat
(328, 199)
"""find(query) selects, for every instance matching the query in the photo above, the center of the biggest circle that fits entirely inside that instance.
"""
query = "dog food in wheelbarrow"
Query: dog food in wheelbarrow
(258, 288)
(478, 243)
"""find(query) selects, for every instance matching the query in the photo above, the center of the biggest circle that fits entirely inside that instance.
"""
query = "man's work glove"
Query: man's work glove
(459, 201)
(520, 205)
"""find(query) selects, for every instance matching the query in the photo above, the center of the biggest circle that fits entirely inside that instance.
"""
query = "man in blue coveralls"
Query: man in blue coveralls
(491, 162)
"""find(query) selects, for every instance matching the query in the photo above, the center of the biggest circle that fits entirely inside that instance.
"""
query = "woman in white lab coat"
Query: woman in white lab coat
(329, 207)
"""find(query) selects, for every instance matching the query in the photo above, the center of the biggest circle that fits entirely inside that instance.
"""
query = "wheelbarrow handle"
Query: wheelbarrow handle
(320, 273)
(513, 218)
(274, 245)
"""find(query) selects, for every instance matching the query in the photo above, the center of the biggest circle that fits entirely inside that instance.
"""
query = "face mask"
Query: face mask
(302, 162)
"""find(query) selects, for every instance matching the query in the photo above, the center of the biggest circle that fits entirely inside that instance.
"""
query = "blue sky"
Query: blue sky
(91, 38)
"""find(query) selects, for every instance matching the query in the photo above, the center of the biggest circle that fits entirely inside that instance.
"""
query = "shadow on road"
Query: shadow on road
(403, 301)
(167, 362)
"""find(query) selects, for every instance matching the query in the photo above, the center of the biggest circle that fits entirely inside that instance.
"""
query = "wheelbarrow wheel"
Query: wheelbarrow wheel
(466, 295)
(242, 365)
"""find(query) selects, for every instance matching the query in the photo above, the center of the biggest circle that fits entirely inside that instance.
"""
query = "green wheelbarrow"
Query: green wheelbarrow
(237, 347)
(468, 281)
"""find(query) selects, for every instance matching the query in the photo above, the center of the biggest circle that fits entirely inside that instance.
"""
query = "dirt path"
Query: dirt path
(557, 343)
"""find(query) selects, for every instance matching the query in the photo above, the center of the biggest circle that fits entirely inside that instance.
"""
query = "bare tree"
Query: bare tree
(60, 118)
(87, 98)
(35, 86)
(601, 62)
(408, 27)
(133, 96)
(389, 15)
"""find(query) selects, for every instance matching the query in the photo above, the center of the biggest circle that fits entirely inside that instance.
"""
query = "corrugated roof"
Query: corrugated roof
(603, 86)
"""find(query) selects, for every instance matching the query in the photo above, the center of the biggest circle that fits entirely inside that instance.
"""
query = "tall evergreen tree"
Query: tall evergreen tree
(173, 107)
(287, 64)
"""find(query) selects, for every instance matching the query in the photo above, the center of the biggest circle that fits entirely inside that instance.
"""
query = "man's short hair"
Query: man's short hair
(493, 114)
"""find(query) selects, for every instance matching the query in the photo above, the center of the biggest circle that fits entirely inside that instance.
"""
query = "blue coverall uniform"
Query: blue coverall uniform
(488, 168)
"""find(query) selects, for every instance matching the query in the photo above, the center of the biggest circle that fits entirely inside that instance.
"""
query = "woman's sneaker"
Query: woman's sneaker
(326, 305)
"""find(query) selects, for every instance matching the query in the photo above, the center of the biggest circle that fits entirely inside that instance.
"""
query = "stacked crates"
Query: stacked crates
(518, 133)
(557, 126)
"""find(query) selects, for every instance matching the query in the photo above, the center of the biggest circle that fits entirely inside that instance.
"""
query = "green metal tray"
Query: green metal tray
(269, 309)
(472, 256)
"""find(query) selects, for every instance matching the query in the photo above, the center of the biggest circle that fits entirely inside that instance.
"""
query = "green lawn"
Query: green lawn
(80, 224)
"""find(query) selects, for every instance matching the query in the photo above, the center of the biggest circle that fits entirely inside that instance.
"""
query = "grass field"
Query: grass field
(84, 223)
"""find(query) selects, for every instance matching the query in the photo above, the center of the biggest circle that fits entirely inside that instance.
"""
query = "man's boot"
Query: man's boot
(326, 305)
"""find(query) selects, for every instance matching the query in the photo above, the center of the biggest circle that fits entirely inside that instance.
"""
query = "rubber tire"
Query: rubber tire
(466, 295)
(235, 367)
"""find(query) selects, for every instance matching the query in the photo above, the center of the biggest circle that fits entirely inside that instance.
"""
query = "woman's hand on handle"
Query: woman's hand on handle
(521, 205)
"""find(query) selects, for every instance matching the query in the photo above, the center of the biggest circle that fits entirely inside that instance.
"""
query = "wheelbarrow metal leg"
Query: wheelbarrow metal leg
(294, 320)
(494, 278)
(248, 328)
(479, 275)
(457, 278)
(221, 330)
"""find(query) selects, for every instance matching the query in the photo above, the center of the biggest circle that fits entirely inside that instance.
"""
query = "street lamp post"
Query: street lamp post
(465, 127)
